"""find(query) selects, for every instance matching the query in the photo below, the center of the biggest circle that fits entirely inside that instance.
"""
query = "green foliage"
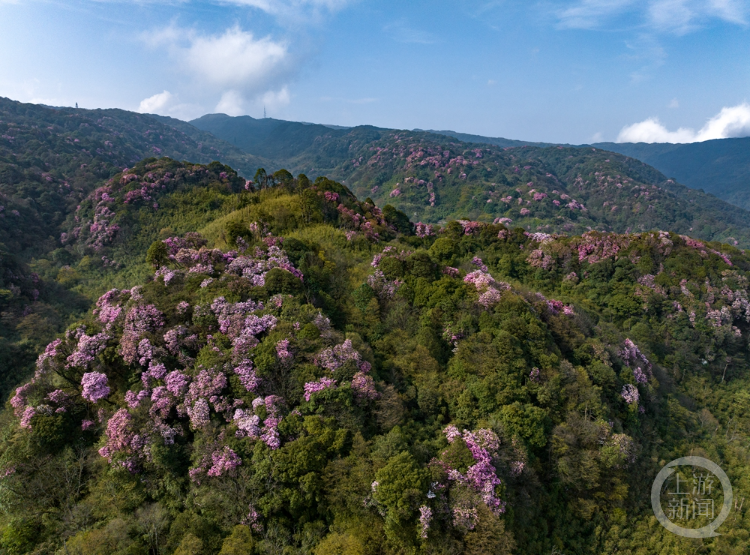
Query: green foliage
(157, 254)
(398, 219)
(239, 542)
(540, 366)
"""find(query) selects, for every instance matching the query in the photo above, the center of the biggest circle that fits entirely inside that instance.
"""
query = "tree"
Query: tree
(261, 178)
(157, 254)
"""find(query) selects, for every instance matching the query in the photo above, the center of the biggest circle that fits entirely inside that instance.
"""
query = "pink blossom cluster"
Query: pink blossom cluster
(480, 279)
(108, 307)
(223, 461)
(94, 386)
(220, 462)
(471, 227)
(87, 349)
(357, 222)
(595, 247)
(255, 268)
(248, 424)
(465, 517)
(630, 394)
(252, 326)
(121, 439)
(364, 386)
(282, 350)
(383, 287)
(490, 290)
(424, 230)
(539, 258)
(315, 387)
(632, 356)
(139, 320)
(101, 231)
(695, 244)
(555, 307)
(626, 446)
(476, 261)
(481, 476)
(425, 517)
(233, 317)
(335, 357)
(246, 374)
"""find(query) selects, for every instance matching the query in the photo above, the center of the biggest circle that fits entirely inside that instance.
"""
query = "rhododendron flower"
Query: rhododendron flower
(314, 387)
(282, 349)
(94, 386)
(364, 386)
(28, 414)
(425, 516)
(630, 394)
(223, 461)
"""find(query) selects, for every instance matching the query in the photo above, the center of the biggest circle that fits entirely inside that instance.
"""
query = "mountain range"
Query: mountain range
(719, 167)
(386, 342)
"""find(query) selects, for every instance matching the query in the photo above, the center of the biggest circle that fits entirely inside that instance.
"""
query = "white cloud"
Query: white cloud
(295, 10)
(730, 10)
(231, 103)
(155, 104)
(730, 122)
(675, 16)
(589, 14)
(168, 104)
(234, 104)
(672, 15)
(234, 65)
(674, 103)
(236, 59)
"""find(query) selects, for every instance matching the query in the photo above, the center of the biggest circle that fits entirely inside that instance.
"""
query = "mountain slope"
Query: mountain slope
(720, 167)
(433, 177)
(293, 370)
(479, 139)
(52, 158)
(476, 390)
(270, 138)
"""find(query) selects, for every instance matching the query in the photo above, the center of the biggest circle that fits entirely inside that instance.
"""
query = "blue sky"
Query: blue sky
(550, 70)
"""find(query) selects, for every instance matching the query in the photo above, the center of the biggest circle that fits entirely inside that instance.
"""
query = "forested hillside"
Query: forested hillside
(50, 161)
(720, 167)
(274, 139)
(310, 374)
(195, 362)
(433, 178)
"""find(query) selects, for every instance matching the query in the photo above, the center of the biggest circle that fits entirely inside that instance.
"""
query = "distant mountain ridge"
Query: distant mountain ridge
(497, 141)
(720, 167)
(270, 138)
(431, 176)
(438, 176)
